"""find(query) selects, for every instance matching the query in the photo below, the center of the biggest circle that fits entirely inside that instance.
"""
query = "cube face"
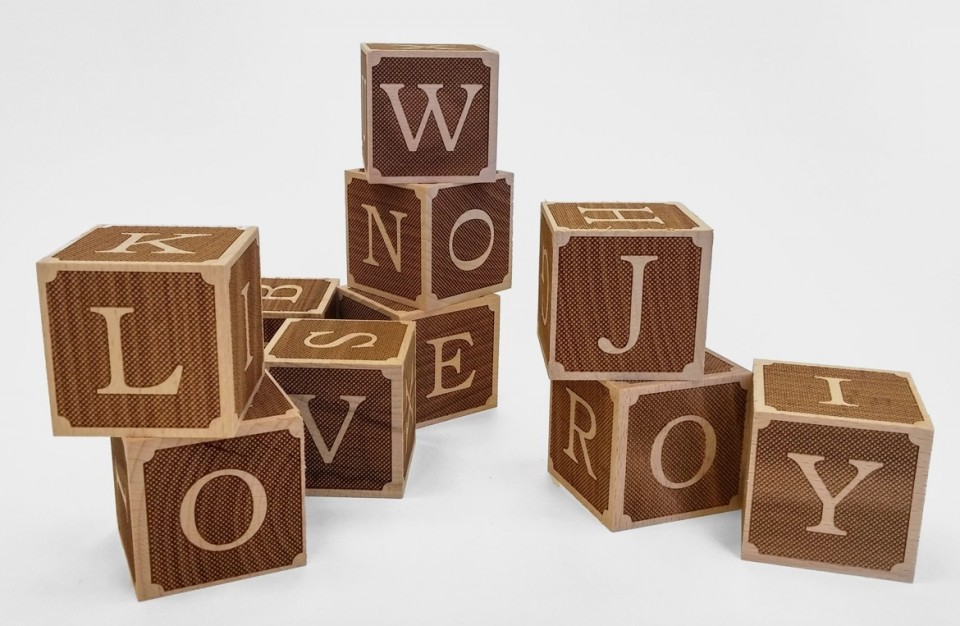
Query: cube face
(429, 112)
(152, 331)
(283, 298)
(648, 263)
(837, 470)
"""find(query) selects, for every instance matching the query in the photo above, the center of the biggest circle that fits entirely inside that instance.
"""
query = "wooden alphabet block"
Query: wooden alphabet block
(429, 246)
(457, 348)
(306, 298)
(152, 331)
(641, 453)
(429, 113)
(355, 385)
(623, 291)
(838, 461)
(194, 513)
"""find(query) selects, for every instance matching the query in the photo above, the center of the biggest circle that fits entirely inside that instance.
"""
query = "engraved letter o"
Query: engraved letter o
(188, 510)
(710, 452)
(472, 214)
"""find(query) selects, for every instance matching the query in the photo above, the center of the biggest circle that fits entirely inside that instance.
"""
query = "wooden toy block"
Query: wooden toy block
(429, 112)
(152, 331)
(457, 348)
(838, 461)
(194, 513)
(623, 291)
(642, 453)
(355, 385)
(307, 298)
(429, 246)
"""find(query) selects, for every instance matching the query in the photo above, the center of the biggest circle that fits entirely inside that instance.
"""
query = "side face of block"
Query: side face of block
(837, 469)
(282, 298)
(195, 513)
(350, 381)
(152, 331)
(626, 295)
(429, 112)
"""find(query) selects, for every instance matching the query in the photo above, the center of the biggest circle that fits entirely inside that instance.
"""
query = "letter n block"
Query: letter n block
(837, 469)
(194, 513)
(429, 246)
(623, 291)
(641, 453)
(457, 351)
(284, 298)
(152, 331)
(355, 385)
(429, 113)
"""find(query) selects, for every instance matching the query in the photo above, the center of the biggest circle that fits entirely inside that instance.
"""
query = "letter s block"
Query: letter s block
(641, 453)
(152, 331)
(284, 298)
(838, 461)
(355, 385)
(623, 291)
(194, 513)
(429, 113)
(429, 246)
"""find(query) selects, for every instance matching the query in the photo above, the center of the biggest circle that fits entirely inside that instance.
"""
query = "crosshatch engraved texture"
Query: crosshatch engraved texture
(245, 325)
(269, 402)
(201, 244)
(287, 300)
(382, 341)
(545, 280)
(713, 364)
(397, 307)
(270, 327)
(632, 216)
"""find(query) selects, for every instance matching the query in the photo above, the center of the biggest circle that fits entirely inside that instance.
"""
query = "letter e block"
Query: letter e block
(284, 298)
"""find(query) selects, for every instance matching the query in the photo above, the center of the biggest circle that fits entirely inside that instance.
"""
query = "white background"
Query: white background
(819, 139)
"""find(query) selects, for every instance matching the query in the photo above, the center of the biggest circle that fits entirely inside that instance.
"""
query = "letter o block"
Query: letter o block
(838, 461)
(429, 246)
(152, 331)
(642, 453)
(194, 513)
(623, 291)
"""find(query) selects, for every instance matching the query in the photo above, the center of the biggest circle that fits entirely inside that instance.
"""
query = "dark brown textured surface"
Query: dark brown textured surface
(567, 215)
(471, 238)
(594, 300)
(224, 508)
(389, 340)
(545, 281)
(173, 323)
(246, 273)
(269, 401)
(596, 491)
(121, 492)
(353, 309)
(723, 407)
(92, 246)
(875, 514)
(385, 277)
(880, 396)
(390, 153)
(712, 364)
(397, 307)
(312, 296)
(410, 408)
(364, 459)
(270, 328)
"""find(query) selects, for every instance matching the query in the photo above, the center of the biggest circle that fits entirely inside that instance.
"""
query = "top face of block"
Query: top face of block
(424, 47)
(622, 216)
(389, 308)
(716, 368)
(308, 342)
(155, 245)
(301, 296)
(839, 392)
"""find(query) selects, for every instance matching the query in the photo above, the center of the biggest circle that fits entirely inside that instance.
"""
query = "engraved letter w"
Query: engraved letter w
(433, 107)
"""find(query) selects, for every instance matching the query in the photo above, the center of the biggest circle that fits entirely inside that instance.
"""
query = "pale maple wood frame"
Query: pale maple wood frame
(321, 311)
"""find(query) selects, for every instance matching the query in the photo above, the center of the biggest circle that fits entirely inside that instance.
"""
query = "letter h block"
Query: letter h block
(152, 331)
(429, 246)
(837, 469)
(641, 453)
(284, 298)
(429, 113)
(194, 513)
(355, 385)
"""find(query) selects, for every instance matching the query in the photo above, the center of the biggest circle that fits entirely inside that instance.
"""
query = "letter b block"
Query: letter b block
(837, 469)
(284, 298)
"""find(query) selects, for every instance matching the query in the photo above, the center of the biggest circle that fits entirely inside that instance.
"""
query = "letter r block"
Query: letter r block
(429, 113)
(642, 453)
(429, 245)
(355, 385)
(623, 291)
(152, 331)
(837, 469)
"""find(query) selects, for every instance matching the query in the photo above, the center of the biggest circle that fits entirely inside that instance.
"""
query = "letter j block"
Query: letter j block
(152, 331)
(837, 469)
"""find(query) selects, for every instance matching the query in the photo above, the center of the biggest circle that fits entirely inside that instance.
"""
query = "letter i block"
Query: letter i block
(429, 113)
(283, 298)
(429, 246)
(623, 291)
(194, 513)
(152, 331)
(641, 453)
(837, 469)
(457, 350)
(355, 385)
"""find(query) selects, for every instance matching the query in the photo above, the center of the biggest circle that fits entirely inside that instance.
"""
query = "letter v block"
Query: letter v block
(429, 113)
(838, 461)
(152, 331)
(623, 291)
(642, 453)
(355, 385)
